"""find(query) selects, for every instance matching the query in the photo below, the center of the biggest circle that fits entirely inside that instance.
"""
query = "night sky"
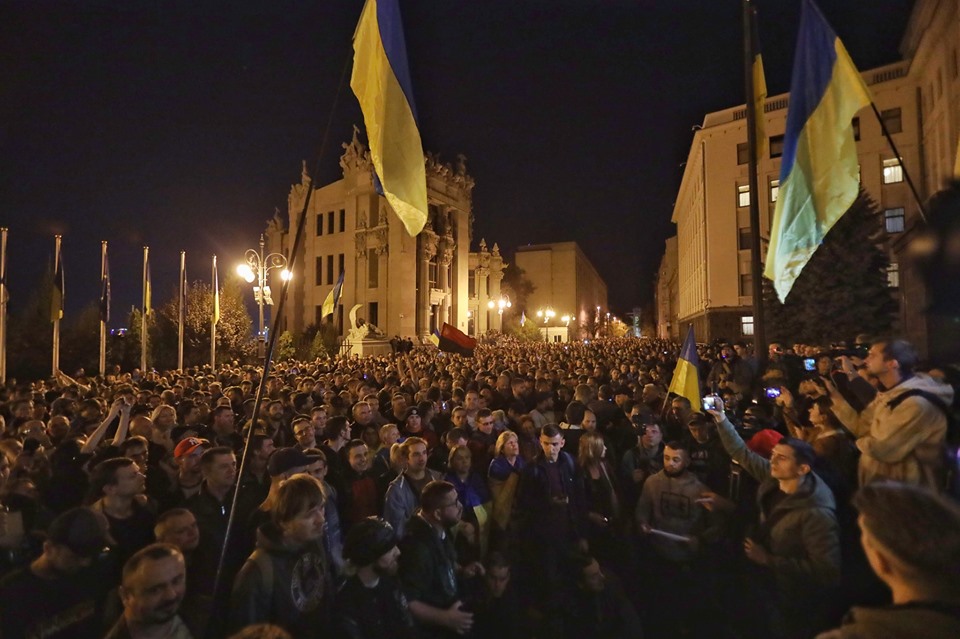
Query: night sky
(181, 124)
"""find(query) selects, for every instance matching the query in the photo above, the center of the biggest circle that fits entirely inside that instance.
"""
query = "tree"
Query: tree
(286, 348)
(30, 341)
(234, 339)
(843, 289)
(529, 332)
(518, 287)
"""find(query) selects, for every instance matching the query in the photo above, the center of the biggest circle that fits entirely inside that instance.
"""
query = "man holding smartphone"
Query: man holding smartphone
(797, 539)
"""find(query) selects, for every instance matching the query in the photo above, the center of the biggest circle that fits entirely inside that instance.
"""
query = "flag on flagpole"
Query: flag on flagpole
(216, 292)
(759, 88)
(333, 298)
(686, 376)
(381, 82)
(105, 289)
(434, 338)
(819, 173)
(56, 300)
(453, 340)
(147, 291)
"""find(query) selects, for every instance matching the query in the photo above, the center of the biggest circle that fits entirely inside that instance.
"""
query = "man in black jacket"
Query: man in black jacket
(428, 564)
(550, 514)
(370, 604)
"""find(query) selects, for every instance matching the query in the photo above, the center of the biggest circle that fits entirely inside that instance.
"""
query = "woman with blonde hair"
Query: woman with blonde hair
(503, 477)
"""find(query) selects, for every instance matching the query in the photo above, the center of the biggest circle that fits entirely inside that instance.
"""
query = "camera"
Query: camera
(810, 364)
(710, 402)
(772, 392)
(859, 352)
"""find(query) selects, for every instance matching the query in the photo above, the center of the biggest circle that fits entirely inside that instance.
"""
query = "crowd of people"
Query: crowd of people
(532, 490)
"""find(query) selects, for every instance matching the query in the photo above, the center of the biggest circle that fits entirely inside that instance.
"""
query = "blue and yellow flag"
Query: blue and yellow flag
(819, 171)
(381, 82)
(333, 298)
(686, 376)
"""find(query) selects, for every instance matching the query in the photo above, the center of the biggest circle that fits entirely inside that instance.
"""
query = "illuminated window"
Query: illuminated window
(746, 325)
(774, 190)
(892, 171)
(893, 220)
(743, 195)
(893, 275)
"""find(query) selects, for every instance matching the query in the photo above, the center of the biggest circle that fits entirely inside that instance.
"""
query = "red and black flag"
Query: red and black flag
(455, 341)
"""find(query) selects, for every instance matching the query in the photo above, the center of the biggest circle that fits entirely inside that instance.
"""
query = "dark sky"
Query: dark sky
(181, 124)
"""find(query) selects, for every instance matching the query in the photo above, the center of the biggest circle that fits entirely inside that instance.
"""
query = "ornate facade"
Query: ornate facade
(404, 285)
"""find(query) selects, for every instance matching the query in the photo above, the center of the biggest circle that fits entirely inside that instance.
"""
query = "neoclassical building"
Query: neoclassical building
(407, 286)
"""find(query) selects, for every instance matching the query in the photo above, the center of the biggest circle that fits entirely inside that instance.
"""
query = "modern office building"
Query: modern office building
(567, 285)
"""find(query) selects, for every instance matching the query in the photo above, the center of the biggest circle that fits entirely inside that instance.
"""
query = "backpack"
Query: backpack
(949, 460)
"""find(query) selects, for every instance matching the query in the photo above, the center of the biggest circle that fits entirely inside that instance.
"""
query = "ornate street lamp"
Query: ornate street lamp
(256, 268)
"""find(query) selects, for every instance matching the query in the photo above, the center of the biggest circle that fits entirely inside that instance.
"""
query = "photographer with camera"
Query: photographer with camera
(901, 434)
(797, 541)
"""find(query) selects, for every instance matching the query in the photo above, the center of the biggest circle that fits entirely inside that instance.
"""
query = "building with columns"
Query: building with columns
(407, 286)
(667, 292)
(486, 273)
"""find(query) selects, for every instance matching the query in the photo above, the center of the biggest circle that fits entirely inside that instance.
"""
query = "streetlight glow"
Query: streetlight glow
(244, 271)
(256, 268)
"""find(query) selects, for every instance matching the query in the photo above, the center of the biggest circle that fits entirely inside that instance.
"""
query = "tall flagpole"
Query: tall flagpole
(103, 318)
(3, 305)
(145, 310)
(215, 318)
(759, 332)
(55, 315)
(183, 299)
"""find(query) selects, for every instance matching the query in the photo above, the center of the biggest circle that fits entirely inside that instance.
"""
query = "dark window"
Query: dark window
(892, 120)
(373, 269)
(893, 220)
(743, 153)
(329, 269)
(856, 129)
(744, 239)
(374, 317)
(340, 265)
(319, 224)
(343, 220)
(746, 285)
(318, 314)
(329, 221)
(776, 146)
(472, 284)
(340, 317)
(319, 279)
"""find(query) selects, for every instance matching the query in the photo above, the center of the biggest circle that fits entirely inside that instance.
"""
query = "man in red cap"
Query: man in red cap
(189, 475)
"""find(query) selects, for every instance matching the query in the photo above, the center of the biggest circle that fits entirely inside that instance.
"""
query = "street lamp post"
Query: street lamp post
(500, 304)
(548, 314)
(257, 268)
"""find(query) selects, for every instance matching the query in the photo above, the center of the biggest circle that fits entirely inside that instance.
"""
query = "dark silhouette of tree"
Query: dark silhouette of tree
(843, 290)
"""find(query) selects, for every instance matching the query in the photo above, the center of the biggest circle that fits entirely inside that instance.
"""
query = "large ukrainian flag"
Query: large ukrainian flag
(686, 377)
(381, 82)
(818, 173)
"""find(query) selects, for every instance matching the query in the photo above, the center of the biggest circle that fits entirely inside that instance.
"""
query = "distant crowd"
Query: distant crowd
(533, 490)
